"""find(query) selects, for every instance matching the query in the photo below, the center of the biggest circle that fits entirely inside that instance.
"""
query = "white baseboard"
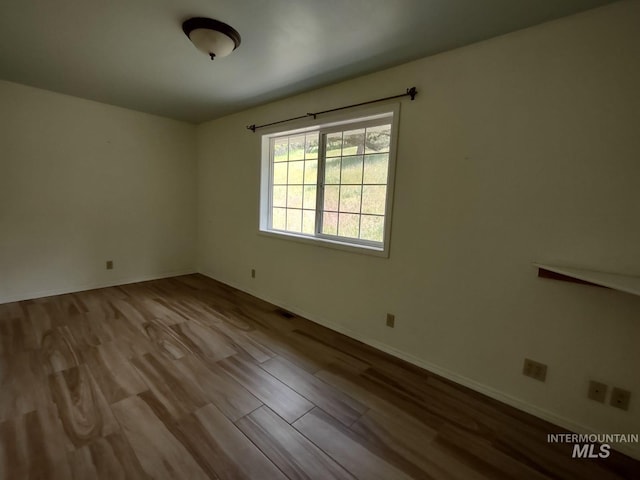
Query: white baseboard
(92, 286)
(568, 424)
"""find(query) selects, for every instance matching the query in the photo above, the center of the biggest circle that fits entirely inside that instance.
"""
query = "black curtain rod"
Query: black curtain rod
(411, 92)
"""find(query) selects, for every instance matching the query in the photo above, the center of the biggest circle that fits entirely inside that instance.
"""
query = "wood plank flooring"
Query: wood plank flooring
(187, 378)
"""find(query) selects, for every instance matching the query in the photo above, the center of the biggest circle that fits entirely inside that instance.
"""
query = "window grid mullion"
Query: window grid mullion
(271, 184)
(339, 183)
(304, 168)
(286, 198)
(322, 148)
(364, 149)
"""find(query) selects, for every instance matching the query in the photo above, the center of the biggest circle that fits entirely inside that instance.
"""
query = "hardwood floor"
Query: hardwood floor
(186, 378)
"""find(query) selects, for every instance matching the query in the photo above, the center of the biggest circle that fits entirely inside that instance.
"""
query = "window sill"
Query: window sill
(328, 243)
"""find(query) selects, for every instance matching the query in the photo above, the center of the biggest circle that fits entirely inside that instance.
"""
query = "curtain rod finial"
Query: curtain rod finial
(412, 92)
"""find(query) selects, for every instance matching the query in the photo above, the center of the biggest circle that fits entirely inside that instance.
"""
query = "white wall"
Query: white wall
(522, 148)
(82, 183)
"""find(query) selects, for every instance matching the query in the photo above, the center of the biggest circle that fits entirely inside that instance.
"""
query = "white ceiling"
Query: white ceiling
(133, 53)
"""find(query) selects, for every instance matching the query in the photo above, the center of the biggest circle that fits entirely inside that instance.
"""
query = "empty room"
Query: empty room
(350, 239)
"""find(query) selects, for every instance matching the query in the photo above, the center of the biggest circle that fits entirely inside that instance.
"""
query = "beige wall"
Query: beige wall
(519, 149)
(82, 183)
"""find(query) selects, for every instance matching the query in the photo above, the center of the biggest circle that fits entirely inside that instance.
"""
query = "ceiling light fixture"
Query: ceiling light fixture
(212, 37)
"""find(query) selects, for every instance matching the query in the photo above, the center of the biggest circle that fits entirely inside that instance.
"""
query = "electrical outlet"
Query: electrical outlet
(620, 398)
(391, 320)
(109, 264)
(597, 391)
(253, 273)
(534, 370)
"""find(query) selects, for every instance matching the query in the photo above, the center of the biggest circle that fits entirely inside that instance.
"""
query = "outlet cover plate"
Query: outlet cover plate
(391, 320)
(535, 370)
(597, 391)
(620, 398)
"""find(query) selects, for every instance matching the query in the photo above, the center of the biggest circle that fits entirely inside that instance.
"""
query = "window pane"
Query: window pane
(348, 225)
(371, 228)
(279, 196)
(353, 142)
(296, 148)
(331, 193)
(294, 220)
(378, 139)
(311, 149)
(309, 197)
(376, 168)
(332, 171)
(330, 223)
(309, 221)
(350, 199)
(279, 173)
(373, 199)
(296, 172)
(351, 170)
(311, 172)
(294, 196)
(280, 149)
(279, 218)
(334, 144)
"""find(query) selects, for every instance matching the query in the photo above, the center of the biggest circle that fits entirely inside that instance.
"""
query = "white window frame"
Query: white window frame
(334, 123)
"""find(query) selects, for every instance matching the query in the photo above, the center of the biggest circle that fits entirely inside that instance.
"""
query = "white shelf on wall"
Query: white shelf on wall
(624, 283)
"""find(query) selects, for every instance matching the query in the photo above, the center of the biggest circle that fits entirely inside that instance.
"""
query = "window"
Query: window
(331, 183)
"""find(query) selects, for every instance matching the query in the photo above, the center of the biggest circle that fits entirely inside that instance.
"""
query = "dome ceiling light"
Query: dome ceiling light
(212, 37)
